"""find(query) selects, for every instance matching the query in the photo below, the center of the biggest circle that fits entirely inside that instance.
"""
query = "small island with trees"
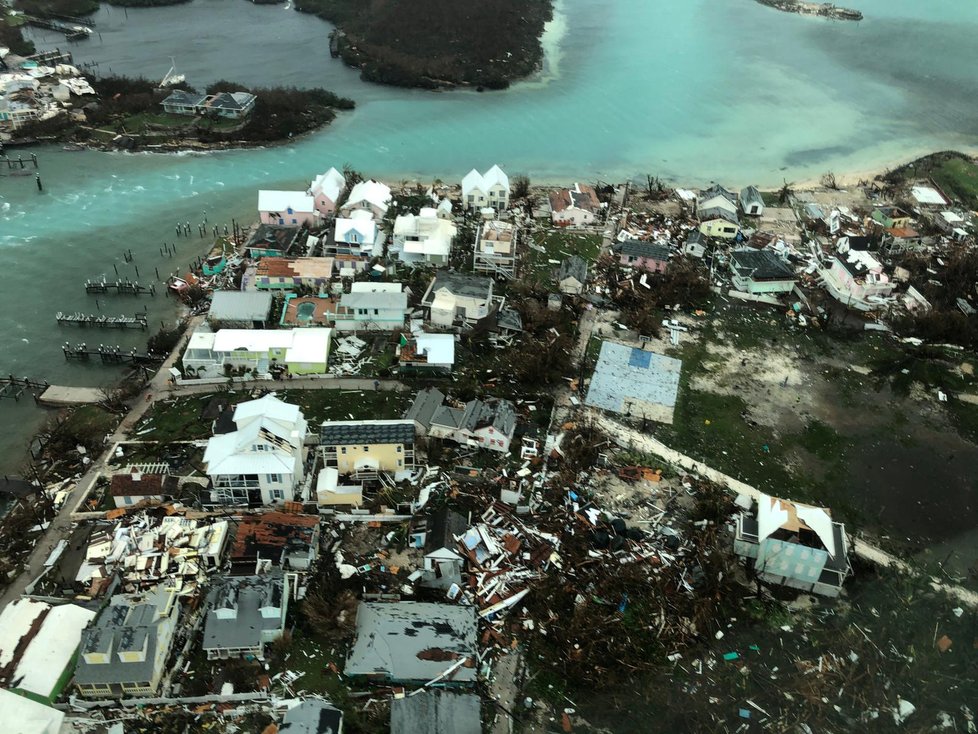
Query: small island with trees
(437, 43)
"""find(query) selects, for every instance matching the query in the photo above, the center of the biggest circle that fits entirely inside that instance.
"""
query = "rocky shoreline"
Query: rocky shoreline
(824, 10)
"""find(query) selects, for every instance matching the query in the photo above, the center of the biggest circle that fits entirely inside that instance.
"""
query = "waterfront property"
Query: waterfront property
(440, 635)
(423, 238)
(244, 613)
(452, 297)
(287, 208)
(296, 351)
(325, 190)
(356, 235)
(495, 249)
(274, 240)
(716, 197)
(371, 196)
(891, 217)
(231, 105)
(634, 382)
(289, 273)
(574, 207)
(651, 257)
(261, 462)
(365, 448)
(239, 310)
(490, 189)
(718, 221)
(760, 271)
(124, 651)
(180, 102)
(751, 201)
(794, 545)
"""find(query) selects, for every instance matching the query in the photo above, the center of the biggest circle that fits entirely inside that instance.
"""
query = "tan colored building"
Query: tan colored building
(365, 448)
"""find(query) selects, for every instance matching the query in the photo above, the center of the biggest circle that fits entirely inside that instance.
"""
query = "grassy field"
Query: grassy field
(958, 177)
(558, 245)
(143, 121)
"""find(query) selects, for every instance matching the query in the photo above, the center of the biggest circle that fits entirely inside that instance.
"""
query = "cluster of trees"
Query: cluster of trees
(12, 38)
(641, 308)
(945, 323)
(484, 44)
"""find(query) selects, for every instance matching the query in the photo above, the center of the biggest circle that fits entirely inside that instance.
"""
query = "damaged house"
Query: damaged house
(793, 545)
(438, 535)
(486, 424)
(245, 613)
(283, 539)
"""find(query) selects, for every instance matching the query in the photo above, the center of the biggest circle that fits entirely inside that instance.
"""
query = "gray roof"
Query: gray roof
(229, 101)
(184, 98)
(643, 248)
(247, 595)
(349, 433)
(127, 621)
(414, 641)
(312, 717)
(814, 211)
(384, 300)
(436, 712)
(426, 402)
(629, 375)
(697, 238)
(240, 306)
(500, 414)
(445, 524)
(751, 195)
(573, 267)
(716, 212)
(760, 265)
(509, 318)
(460, 284)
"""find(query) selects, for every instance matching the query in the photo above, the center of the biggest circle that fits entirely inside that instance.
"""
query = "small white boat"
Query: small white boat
(171, 79)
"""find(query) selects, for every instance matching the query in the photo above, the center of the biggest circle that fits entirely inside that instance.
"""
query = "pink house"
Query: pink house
(288, 208)
(325, 191)
(642, 255)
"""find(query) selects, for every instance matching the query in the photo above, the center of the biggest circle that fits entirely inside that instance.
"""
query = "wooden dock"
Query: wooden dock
(15, 387)
(109, 355)
(121, 287)
(137, 321)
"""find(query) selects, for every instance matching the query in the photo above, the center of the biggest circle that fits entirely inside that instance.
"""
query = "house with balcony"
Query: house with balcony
(495, 249)
(293, 208)
(124, 650)
(488, 190)
(423, 238)
(355, 235)
(371, 196)
(261, 462)
(795, 545)
(458, 298)
(325, 191)
(363, 449)
(371, 306)
(244, 614)
(299, 351)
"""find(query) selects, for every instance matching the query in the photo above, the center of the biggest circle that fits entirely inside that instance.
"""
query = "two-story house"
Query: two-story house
(244, 613)
(760, 271)
(794, 545)
(261, 462)
(856, 279)
(422, 238)
(453, 297)
(574, 207)
(124, 650)
(371, 196)
(716, 197)
(356, 234)
(488, 424)
(495, 248)
(653, 257)
(300, 351)
(325, 191)
(371, 306)
(287, 208)
(490, 189)
(366, 448)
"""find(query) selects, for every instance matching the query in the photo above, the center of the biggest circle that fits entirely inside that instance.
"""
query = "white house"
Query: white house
(371, 196)
(300, 351)
(422, 238)
(751, 201)
(574, 207)
(856, 279)
(287, 207)
(478, 424)
(486, 190)
(422, 351)
(495, 248)
(716, 197)
(244, 614)
(261, 462)
(454, 296)
(325, 190)
(760, 271)
(372, 307)
(356, 234)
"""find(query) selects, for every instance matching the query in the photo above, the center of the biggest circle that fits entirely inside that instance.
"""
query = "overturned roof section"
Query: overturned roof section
(414, 642)
(774, 514)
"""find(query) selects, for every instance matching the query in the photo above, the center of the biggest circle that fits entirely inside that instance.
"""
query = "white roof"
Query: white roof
(365, 225)
(268, 406)
(330, 184)
(927, 195)
(309, 345)
(24, 716)
(438, 348)
(952, 217)
(201, 339)
(365, 286)
(49, 652)
(252, 340)
(483, 182)
(280, 201)
(773, 513)
(372, 192)
(223, 456)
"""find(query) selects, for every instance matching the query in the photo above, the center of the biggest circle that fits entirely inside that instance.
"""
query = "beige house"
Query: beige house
(454, 297)
(363, 449)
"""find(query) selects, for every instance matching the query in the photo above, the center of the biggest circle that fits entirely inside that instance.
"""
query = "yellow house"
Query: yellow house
(365, 448)
(718, 222)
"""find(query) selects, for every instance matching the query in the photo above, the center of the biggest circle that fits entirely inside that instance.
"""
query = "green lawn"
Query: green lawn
(141, 121)
(558, 245)
(175, 420)
(958, 177)
(342, 405)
